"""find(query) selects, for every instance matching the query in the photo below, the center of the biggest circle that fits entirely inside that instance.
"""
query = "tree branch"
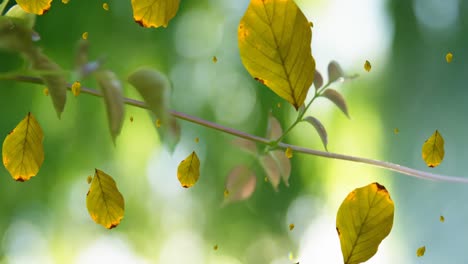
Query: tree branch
(193, 119)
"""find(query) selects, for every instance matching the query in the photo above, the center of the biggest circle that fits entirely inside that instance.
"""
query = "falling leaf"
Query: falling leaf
(396, 131)
(89, 179)
(319, 128)
(337, 99)
(240, 183)
(288, 153)
(364, 219)
(53, 78)
(275, 49)
(23, 152)
(46, 91)
(215, 60)
(334, 71)
(449, 57)
(197, 140)
(104, 201)
(154, 13)
(113, 96)
(105, 6)
(274, 130)
(367, 66)
(38, 7)
(291, 227)
(188, 171)
(442, 219)
(76, 88)
(433, 150)
(420, 252)
(215, 247)
(318, 80)
(131, 119)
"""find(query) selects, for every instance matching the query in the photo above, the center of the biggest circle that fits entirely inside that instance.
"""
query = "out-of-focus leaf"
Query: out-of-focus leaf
(318, 80)
(104, 201)
(246, 145)
(28, 18)
(274, 130)
(51, 74)
(105, 6)
(3, 5)
(364, 219)
(188, 171)
(38, 7)
(288, 152)
(23, 152)
(283, 164)
(420, 252)
(337, 99)
(319, 128)
(442, 219)
(367, 66)
(433, 150)
(154, 13)
(271, 170)
(334, 71)
(291, 227)
(85, 35)
(449, 57)
(240, 184)
(76, 88)
(274, 40)
(112, 90)
(15, 35)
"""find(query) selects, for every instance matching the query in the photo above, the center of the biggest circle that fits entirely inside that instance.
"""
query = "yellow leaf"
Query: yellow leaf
(215, 60)
(65, 1)
(76, 88)
(23, 152)
(188, 171)
(105, 203)
(449, 57)
(46, 91)
(364, 219)
(154, 13)
(85, 35)
(105, 6)
(442, 219)
(396, 131)
(433, 150)
(274, 40)
(38, 7)
(197, 140)
(288, 153)
(215, 247)
(420, 252)
(291, 227)
(367, 66)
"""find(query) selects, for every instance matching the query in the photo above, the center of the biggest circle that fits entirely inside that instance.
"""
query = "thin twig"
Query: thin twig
(238, 133)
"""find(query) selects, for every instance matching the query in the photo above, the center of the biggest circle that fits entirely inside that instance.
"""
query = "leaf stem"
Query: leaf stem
(196, 120)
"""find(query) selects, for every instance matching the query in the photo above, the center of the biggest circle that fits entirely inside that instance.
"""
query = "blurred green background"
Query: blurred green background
(410, 87)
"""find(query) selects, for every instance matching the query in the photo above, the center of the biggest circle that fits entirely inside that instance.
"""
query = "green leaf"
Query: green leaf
(51, 74)
(433, 150)
(15, 35)
(154, 13)
(318, 80)
(364, 219)
(28, 18)
(337, 99)
(112, 91)
(22, 151)
(274, 40)
(2, 6)
(240, 184)
(104, 201)
(319, 128)
(334, 71)
(188, 171)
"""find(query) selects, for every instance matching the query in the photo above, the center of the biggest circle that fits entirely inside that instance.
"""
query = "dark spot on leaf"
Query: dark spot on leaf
(139, 22)
(45, 11)
(259, 80)
(87, 193)
(112, 226)
(20, 179)
(338, 231)
(380, 187)
(431, 166)
(185, 186)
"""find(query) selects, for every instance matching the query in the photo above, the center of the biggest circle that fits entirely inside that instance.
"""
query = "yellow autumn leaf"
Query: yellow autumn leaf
(154, 13)
(23, 152)
(105, 203)
(364, 219)
(433, 150)
(289, 153)
(291, 227)
(449, 57)
(76, 88)
(214, 59)
(420, 252)
(442, 219)
(188, 171)
(38, 7)
(85, 35)
(105, 6)
(367, 66)
(274, 40)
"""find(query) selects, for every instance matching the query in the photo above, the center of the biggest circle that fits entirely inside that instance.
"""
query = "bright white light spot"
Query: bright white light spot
(436, 14)
(183, 248)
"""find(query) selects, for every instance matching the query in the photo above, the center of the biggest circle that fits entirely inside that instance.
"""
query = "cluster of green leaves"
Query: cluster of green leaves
(275, 50)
